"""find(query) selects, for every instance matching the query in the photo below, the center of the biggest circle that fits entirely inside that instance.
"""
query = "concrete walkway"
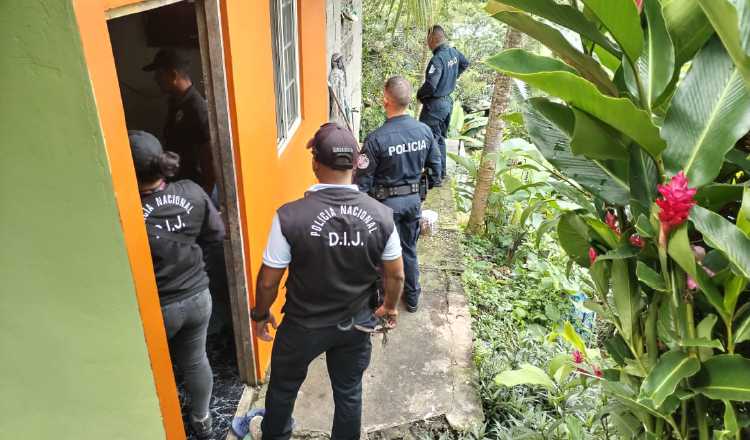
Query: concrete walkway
(425, 371)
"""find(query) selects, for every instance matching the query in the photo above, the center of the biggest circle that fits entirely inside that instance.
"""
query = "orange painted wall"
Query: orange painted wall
(268, 179)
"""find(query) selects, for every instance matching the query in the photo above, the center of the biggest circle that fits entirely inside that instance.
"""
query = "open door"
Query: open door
(208, 14)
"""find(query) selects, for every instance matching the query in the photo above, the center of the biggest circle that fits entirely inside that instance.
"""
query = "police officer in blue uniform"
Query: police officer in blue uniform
(446, 65)
(389, 168)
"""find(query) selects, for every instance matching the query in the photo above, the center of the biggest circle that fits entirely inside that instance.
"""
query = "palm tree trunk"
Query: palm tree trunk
(492, 140)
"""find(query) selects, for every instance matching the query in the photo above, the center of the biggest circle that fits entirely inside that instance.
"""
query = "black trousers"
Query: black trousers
(407, 211)
(347, 358)
(436, 114)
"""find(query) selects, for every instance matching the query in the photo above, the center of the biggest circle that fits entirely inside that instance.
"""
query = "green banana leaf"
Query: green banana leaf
(743, 216)
(731, 426)
(644, 177)
(709, 113)
(595, 140)
(657, 63)
(457, 120)
(627, 298)
(563, 15)
(624, 395)
(622, 20)
(681, 252)
(732, 24)
(705, 329)
(574, 237)
(544, 120)
(603, 233)
(559, 45)
(688, 26)
(466, 163)
(526, 375)
(724, 377)
(716, 195)
(650, 277)
(558, 79)
(742, 332)
(600, 272)
(733, 288)
(725, 237)
(671, 368)
(573, 194)
(739, 158)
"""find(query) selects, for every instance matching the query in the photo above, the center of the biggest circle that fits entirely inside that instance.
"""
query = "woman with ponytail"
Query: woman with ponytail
(179, 217)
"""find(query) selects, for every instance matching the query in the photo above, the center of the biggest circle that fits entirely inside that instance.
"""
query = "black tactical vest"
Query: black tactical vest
(337, 238)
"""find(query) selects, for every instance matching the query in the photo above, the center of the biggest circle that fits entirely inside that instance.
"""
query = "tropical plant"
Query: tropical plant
(501, 97)
(526, 197)
(646, 99)
(467, 128)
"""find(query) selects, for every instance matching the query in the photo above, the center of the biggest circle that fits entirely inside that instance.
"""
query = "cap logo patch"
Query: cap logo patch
(342, 149)
(363, 162)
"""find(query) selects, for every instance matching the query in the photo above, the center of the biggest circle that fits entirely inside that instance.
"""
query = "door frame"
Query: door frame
(208, 13)
(92, 16)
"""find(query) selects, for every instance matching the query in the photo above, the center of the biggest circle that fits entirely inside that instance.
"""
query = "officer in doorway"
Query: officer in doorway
(332, 241)
(389, 168)
(186, 130)
(446, 65)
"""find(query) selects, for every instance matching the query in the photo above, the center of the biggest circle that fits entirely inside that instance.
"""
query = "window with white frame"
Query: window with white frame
(286, 68)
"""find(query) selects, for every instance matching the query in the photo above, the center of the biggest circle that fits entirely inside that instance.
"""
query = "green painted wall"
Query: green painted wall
(73, 360)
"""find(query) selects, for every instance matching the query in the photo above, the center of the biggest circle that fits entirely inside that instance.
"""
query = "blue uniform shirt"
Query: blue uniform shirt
(396, 153)
(446, 65)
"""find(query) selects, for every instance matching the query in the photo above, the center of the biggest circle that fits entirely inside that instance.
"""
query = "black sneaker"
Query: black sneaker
(411, 308)
(203, 429)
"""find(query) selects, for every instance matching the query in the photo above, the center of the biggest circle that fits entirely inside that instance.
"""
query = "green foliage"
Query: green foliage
(673, 378)
(528, 382)
(397, 47)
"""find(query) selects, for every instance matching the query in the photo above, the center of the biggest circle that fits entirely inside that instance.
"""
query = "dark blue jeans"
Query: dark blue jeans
(437, 115)
(347, 357)
(407, 210)
(186, 322)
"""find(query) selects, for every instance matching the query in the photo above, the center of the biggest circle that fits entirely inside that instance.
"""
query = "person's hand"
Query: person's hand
(261, 328)
(388, 314)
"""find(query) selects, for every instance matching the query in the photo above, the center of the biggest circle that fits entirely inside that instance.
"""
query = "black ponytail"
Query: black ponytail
(165, 165)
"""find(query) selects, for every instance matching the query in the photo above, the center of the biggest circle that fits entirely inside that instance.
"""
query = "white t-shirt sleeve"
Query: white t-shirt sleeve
(392, 247)
(278, 253)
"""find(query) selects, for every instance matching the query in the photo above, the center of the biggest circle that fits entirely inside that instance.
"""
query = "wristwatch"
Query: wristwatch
(258, 318)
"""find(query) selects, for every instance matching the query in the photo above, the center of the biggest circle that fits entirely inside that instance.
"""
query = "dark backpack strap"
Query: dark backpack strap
(159, 233)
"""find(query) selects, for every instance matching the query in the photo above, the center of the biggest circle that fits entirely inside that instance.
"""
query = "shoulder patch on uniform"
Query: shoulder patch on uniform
(432, 70)
(179, 115)
(363, 162)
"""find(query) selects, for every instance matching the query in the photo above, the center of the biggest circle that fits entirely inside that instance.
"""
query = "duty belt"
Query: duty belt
(384, 192)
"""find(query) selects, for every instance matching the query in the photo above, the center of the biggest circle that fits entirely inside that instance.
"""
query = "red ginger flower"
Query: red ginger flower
(675, 205)
(592, 255)
(639, 5)
(611, 221)
(637, 241)
(598, 373)
(577, 357)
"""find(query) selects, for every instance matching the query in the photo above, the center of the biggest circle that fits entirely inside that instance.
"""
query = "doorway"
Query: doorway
(193, 28)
